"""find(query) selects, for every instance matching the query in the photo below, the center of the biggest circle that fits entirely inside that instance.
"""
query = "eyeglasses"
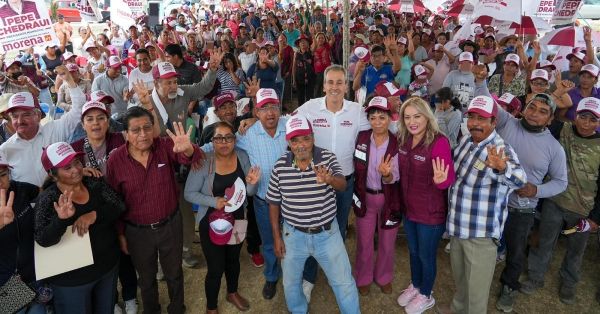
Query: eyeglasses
(25, 115)
(223, 139)
(269, 108)
(146, 128)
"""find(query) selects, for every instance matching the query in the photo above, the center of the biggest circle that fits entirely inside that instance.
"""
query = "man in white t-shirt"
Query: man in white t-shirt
(442, 63)
(142, 73)
(248, 56)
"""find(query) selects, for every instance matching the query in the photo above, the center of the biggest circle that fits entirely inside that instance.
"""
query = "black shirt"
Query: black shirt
(188, 73)
(25, 193)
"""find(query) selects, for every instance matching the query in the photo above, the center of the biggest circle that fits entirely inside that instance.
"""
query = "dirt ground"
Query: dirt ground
(323, 300)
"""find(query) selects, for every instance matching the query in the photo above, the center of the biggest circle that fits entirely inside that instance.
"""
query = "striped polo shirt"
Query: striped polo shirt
(303, 201)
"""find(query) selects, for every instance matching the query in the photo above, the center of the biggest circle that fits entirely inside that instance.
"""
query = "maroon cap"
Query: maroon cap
(222, 99)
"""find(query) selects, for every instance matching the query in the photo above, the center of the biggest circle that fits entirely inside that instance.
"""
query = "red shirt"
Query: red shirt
(286, 63)
(150, 193)
(322, 57)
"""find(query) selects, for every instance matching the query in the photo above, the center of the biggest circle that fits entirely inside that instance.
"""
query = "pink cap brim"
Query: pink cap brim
(597, 115)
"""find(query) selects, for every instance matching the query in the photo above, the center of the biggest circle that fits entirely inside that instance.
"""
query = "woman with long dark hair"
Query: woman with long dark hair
(230, 75)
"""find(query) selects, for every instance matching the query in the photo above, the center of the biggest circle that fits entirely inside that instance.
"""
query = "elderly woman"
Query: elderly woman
(71, 202)
(376, 186)
(426, 172)
(63, 100)
(16, 231)
(510, 81)
(207, 187)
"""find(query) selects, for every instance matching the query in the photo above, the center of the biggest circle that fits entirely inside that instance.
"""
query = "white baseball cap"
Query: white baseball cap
(114, 62)
(297, 125)
(93, 105)
(591, 69)
(511, 57)
(484, 106)
(362, 53)
(465, 56)
(438, 47)
(266, 96)
(58, 155)
(290, 21)
(420, 70)
(419, 24)
(539, 74)
(579, 55)
(203, 23)
(545, 63)
(163, 70)
(263, 18)
(100, 95)
(401, 40)
(378, 102)
(591, 104)
(21, 100)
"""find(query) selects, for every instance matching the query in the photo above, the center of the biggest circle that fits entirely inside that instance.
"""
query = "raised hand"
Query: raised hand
(587, 34)
(324, 175)
(253, 175)
(252, 86)
(390, 42)
(385, 166)
(83, 223)
(440, 170)
(139, 88)
(496, 158)
(64, 207)
(7, 215)
(216, 55)
(536, 47)
(181, 139)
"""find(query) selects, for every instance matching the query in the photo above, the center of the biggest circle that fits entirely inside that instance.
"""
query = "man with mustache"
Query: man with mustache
(487, 171)
(13, 81)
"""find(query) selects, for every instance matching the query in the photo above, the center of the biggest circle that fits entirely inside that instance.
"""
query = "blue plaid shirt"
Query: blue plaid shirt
(479, 196)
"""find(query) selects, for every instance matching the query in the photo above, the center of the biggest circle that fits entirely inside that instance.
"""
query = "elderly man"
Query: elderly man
(141, 171)
(309, 223)
(24, 150)
(544, 162)
(487, 170)
(336, 123)
(114, 84)
(572, 209)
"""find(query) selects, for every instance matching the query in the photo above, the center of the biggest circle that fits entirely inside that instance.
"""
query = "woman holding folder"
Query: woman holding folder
(73, 203)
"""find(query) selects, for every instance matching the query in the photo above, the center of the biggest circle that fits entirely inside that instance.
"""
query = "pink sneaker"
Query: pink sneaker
(407, 295)
(419, 304)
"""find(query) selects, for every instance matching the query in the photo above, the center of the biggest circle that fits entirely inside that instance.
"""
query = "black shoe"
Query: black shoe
(269, 289)
(566, 294)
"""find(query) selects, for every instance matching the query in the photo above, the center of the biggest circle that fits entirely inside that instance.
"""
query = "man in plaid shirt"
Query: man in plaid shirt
(487, 171)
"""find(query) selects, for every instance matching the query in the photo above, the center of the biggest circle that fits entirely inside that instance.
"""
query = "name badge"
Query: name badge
(360, 155)
(479, 165)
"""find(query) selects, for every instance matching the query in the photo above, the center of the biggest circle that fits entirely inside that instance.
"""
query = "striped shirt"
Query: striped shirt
(303, 201)
(227, 83)
(479, 196)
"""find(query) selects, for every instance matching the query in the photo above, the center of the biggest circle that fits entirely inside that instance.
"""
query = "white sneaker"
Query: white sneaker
(131, 306)
(118, 309)
(307, 289)
(420, 304)
(407, 295)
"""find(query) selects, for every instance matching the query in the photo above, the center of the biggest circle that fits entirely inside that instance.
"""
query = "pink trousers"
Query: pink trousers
(367, 267)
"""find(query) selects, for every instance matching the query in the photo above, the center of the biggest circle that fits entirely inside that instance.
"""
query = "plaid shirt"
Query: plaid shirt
(479, 196)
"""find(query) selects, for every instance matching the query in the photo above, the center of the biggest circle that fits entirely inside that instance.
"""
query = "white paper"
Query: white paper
(72, 252)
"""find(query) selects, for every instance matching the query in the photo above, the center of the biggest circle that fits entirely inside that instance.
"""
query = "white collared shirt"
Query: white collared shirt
(25, 156)
(337, 131)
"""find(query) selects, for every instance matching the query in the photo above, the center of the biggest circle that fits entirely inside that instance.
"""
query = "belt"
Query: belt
(155, 225)
(314, 230)
(521, 210)
(374, 191)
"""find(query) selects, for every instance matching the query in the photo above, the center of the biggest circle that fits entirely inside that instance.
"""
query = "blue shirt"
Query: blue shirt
(292, 36)
(267, 76)
(371, 77)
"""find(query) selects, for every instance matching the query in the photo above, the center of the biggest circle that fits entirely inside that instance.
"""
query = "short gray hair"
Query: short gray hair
(335, 68)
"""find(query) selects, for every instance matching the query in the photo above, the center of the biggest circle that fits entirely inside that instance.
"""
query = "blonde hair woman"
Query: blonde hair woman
(426, 171)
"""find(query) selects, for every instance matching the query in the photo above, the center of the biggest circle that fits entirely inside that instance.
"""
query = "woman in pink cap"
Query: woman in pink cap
(71, 202)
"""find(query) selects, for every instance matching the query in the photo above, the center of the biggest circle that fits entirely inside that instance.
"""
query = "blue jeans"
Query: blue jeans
(327, 247)
(96, 297)
(261, 211)
(343, 202)
(423, 242)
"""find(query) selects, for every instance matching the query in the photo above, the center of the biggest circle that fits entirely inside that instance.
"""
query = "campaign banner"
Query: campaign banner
(136, 6)
(565, 11)
(543, 9)
(121, 14)
(88, 10)
(25, 24)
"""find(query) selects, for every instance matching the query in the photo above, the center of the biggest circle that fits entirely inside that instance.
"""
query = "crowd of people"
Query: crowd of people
(146, 133)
